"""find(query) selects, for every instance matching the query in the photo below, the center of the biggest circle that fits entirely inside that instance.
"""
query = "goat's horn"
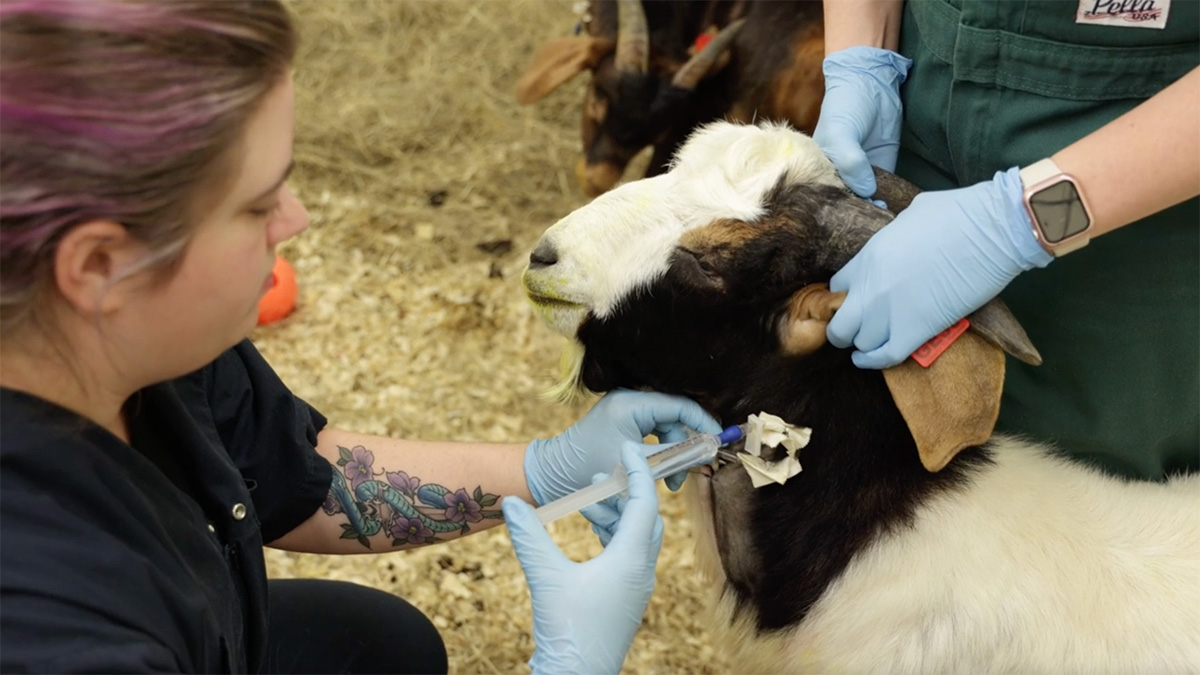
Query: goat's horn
(633, 37)
(852, 221)
(896, 192)
(995, 322)
(698, 66)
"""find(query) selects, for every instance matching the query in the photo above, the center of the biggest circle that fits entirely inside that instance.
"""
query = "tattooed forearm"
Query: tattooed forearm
(398, 505)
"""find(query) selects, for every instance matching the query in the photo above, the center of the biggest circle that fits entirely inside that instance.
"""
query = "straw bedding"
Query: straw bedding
(427, 186)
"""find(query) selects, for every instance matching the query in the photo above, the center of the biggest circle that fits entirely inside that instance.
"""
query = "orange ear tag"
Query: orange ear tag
(929, 352)
(280, 300)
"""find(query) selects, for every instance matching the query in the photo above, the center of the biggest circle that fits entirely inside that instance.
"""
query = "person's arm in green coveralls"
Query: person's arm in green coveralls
(952, 251)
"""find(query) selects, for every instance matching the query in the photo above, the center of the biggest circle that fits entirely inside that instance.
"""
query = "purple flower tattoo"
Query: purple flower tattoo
(460, 507)
(397, 504)
(358, 469)
(331, 505)
(403, 482)
(409, 531)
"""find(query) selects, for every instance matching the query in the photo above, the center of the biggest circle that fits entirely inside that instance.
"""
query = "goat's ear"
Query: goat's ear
(953, 404)
(802, 328)
(558, 61)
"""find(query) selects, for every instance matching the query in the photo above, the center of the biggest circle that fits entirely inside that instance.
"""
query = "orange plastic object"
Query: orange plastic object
(281, 299)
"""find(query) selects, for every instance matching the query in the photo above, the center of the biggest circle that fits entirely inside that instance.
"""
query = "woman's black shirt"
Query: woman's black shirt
(149, 558)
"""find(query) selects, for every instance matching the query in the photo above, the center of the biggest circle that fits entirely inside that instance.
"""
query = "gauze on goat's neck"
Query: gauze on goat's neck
(771, 431)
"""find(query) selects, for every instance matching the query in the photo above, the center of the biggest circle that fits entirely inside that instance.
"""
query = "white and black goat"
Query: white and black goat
(912, 541)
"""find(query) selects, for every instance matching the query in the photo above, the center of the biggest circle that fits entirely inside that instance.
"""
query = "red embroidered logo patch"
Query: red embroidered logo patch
(929, 352)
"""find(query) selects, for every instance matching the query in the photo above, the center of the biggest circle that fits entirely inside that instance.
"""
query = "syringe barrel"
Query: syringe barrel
(697, 450)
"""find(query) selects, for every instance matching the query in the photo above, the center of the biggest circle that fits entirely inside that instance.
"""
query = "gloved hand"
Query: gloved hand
(586, 614)
(860, 114)
(561, 465)
(605, 516)
(942, 258)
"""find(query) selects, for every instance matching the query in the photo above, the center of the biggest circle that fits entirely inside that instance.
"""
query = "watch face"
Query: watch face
(1060, 211)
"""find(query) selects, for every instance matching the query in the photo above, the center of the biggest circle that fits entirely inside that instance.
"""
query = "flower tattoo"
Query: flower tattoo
(403, 482)
(331, 506)
(358, 469)
(410, 531)
(399, 505)
(460, 506)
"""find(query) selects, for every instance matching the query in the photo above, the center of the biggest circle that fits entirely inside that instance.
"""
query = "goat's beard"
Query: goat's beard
(570, 387)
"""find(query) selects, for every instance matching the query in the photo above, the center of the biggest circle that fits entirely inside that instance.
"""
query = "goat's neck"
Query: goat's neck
(861, 477)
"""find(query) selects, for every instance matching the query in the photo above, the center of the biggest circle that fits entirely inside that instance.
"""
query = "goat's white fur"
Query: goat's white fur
(1038, 565)
(723, 171)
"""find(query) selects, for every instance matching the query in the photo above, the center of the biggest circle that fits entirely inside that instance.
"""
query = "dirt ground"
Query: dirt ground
(427, 186)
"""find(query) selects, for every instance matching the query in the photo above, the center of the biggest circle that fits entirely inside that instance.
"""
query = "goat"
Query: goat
(651, 86)
(912, 540)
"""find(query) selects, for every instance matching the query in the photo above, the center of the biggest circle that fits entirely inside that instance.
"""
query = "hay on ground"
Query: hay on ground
(427, 186)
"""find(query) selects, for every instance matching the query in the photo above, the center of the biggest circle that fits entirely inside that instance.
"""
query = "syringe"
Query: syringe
(693, 452)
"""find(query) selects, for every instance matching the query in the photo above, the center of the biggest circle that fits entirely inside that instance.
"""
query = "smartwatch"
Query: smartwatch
(1062, 220)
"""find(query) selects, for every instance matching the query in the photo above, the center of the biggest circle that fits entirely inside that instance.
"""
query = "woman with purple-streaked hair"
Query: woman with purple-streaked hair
(149, 452)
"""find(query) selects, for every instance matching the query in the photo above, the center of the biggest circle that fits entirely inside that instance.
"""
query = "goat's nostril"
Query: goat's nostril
(543, 255)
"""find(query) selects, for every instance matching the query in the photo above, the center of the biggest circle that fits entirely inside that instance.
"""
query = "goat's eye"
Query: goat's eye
(699, 270)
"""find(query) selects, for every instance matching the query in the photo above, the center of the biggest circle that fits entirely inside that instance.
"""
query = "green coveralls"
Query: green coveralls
(1006, 83)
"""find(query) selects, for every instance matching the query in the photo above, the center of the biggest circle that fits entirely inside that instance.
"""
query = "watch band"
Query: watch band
(1039, 171)
(1038, 176)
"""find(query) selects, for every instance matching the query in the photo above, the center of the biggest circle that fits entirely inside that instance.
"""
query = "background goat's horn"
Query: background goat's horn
(698, 66)
(633, 38)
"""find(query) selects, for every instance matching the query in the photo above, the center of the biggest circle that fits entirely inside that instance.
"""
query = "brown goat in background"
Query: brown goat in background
(661, 69)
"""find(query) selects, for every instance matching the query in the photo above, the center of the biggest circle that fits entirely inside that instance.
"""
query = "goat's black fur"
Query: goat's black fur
(717, 343)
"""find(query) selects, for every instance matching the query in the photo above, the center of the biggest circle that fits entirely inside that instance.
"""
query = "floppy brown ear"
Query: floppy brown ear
(802, 328)
(953, 404)
(558, 61)
(950, 406)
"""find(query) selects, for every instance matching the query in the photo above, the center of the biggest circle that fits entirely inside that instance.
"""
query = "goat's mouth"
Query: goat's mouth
(552, 303)
(546, 292)
(562, 316)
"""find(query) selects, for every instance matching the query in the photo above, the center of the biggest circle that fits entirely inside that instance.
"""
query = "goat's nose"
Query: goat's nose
(543, 255)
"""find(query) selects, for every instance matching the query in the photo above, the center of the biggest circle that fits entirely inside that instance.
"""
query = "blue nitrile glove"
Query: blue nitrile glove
(559, 466)
(942, 258)
(605, 515)
(860, 114)
(586, 614)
